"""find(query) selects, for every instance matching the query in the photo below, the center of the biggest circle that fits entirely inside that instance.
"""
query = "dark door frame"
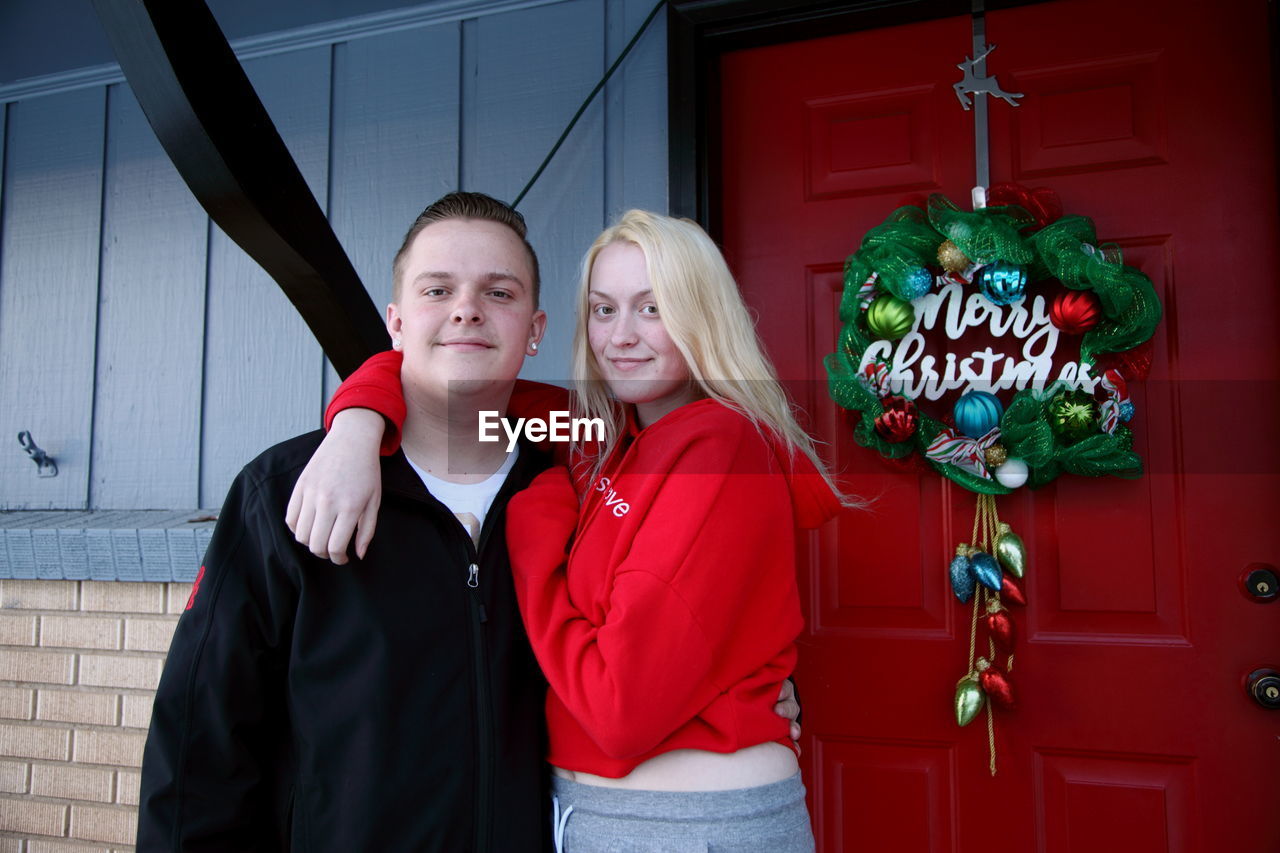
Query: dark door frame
(699, 32)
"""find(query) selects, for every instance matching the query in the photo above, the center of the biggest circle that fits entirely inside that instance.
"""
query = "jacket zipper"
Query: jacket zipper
(484, 718)
(486, 749)
(486, 771)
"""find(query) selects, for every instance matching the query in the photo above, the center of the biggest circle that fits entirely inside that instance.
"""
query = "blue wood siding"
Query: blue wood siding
(151, 322)
(50, 242)
(145, 351)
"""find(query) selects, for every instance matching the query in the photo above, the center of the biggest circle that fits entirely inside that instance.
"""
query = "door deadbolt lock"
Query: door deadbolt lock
(1260, 583)
(1263, 685)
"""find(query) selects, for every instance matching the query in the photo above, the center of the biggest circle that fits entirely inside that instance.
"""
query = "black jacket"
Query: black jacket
(386, 705)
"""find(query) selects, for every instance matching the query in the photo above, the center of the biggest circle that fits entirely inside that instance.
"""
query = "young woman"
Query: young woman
(656, 576)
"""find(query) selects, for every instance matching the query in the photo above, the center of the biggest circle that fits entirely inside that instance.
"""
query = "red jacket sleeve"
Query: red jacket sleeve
(376, 385)
(704, 596)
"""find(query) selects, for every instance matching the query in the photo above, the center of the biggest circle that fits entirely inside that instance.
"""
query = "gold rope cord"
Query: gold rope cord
(986, 520)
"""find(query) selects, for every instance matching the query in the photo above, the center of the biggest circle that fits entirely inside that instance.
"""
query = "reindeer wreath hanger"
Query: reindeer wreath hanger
(1060, 326)
(973, 84)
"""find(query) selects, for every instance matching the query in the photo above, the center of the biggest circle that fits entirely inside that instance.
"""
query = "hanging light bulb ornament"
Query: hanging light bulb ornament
(1013, 473)
(1075, 311)
(992, 682)
(1010, 550)
(899, 420)
(968, 700)
(976, 413)
(1073, 415)
(890, 317)
(1011, 592)
(995, 684)
(985, 569)
(951, 258)
(963, 581)
(1002, 282)
(999, 626)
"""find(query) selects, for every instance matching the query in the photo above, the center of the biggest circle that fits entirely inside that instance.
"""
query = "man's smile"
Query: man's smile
(466, 344)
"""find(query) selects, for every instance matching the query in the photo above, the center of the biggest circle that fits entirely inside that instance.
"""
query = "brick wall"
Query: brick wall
(79, 661)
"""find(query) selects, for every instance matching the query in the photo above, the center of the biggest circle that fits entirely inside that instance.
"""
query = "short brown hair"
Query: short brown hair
(462, 205)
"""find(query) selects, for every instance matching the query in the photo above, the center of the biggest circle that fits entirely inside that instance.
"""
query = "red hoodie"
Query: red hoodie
(674, 623)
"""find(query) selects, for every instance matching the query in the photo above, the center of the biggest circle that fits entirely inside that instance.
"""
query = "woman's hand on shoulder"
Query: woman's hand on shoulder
(340, 490)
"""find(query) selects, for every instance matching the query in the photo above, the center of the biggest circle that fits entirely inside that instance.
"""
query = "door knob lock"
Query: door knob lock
(1263, 685)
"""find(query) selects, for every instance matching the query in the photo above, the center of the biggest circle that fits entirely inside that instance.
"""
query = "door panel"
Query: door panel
(1096, 803)
(1133, 731)
(870, 779)
(1089, 116)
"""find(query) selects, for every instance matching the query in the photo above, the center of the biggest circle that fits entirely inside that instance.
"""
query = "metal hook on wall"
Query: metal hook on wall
(45, 464)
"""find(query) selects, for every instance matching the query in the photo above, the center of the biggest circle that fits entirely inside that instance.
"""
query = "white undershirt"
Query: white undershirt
(469, 502)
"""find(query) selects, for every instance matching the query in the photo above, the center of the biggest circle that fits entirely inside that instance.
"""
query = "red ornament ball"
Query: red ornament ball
(900, 420)
(1075, 311)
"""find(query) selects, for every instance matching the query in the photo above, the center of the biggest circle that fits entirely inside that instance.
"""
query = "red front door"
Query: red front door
(1133, 733)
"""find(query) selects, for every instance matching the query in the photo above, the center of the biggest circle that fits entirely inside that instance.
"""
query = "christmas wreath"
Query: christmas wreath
(934, 262)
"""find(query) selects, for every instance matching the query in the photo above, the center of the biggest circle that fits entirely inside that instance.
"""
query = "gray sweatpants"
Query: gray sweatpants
(766, 819)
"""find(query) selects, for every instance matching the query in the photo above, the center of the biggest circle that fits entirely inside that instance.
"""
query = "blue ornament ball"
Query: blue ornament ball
(976, 413)
(917, 283)
(1002, 282)
(1126, 411)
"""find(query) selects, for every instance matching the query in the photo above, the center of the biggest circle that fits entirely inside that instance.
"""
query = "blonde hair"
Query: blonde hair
(703, 312)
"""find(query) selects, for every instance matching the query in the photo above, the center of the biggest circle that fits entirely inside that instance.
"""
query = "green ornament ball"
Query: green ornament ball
(890, 317)
(1073, 415)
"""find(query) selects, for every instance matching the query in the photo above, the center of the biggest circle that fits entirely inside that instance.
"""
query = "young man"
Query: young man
(395, 704)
